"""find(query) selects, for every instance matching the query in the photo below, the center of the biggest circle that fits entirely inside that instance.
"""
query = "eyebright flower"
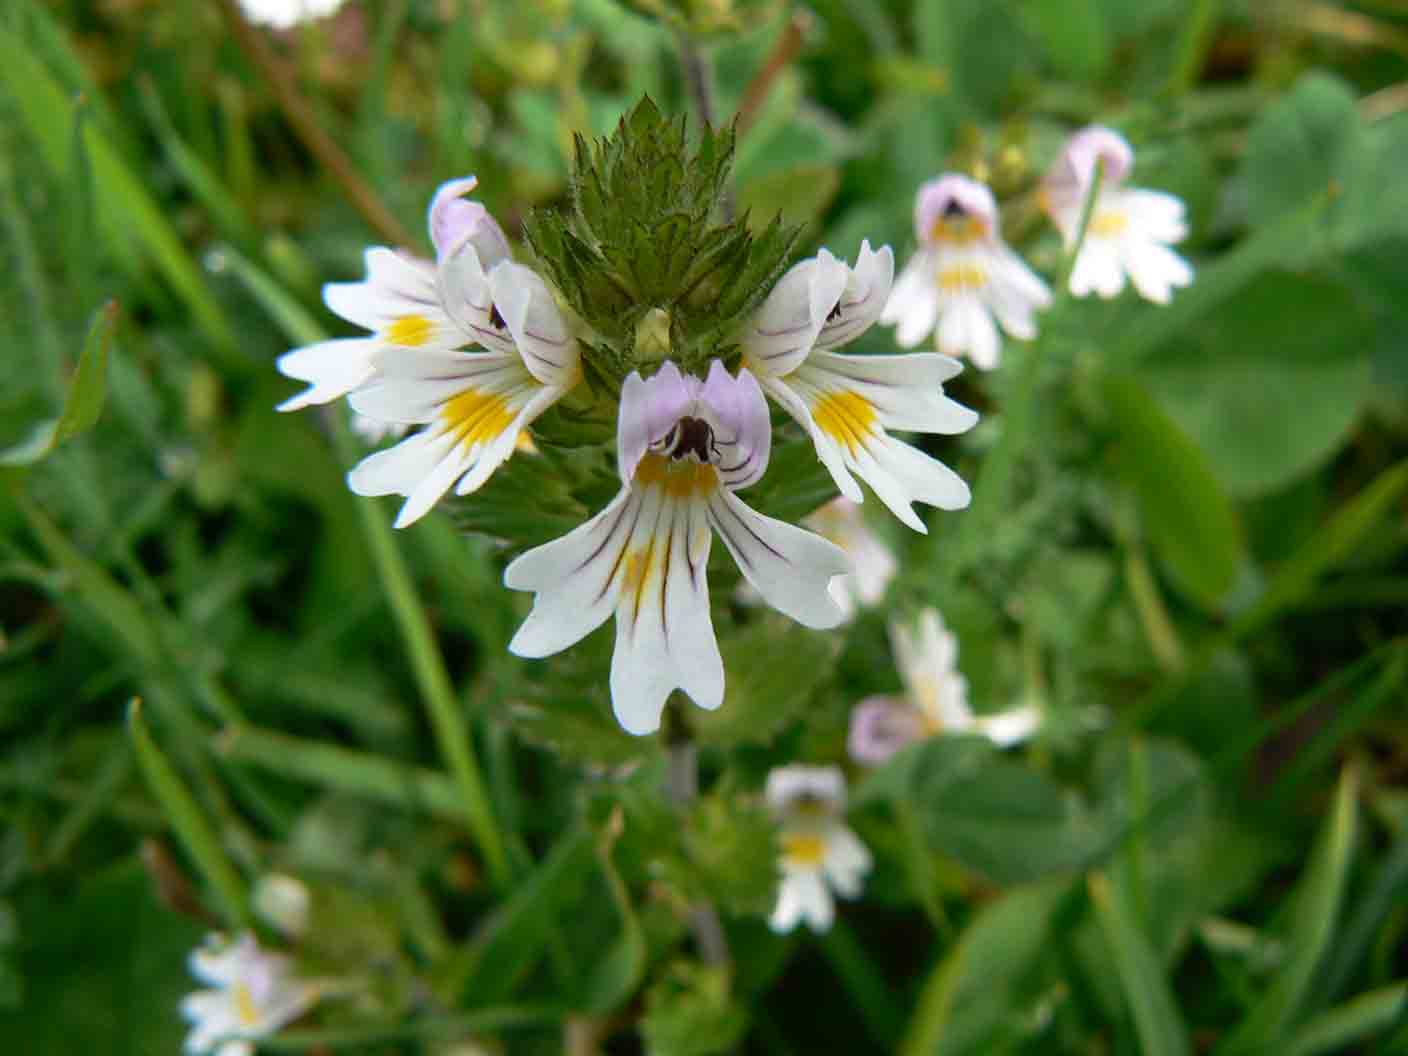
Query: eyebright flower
(963, 276)
(847, 403)
(414, 370)
(936, 699)
(255, 994)
(1130, 229)
(819, 853)
(872, 563)
(285, 14)
(684, 446)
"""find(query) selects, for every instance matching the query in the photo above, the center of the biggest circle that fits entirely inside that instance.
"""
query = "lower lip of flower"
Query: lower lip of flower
(962, 277)
(681, 479)
(846, 417)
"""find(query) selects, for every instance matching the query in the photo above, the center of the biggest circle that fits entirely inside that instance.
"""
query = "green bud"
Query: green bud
(653, 337)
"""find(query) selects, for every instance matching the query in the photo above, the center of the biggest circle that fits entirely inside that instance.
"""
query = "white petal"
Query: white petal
(1156, 214)
(664, 635)
(576, 578)
(913, 300)
(333, 369)
(397, 285)
(966, 327)
(786, 785)
(802, 896)
(906, 391)
(412, 387)
(236, 1048)
(538, 328)
(1008, 727)
(785, 327)
(826, 449)
(917, 476)
(864, 298)
(790, 567)
(1155, 270)
(847, 861)
(1097, 268)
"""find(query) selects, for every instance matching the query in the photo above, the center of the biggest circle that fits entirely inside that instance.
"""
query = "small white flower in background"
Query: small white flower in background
(255, 993)
(683, 447)
(285, 14)
(819, 853)
(283, 901)
(872, 563)
(963, 277)
(847, 403)
(935, 701)
(1130, 229)
(414, 369)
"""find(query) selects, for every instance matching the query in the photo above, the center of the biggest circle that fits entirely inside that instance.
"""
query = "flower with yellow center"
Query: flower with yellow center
(963, 282)
(1130, 229)
(683, 447)
(935, 700)
(818, 853)
(848, 403)
(254, 993)
(417, 368)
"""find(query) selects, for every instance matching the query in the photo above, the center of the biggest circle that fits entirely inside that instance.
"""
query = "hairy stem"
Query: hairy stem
(683, 789)
(699, 82)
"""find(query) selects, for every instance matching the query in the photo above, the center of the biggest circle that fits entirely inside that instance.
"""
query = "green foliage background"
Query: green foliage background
(1189, 545)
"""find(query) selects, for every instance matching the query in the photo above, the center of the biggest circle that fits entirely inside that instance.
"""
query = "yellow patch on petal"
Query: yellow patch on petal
(244, 1006)
(846, 417)
(475, 417)
(638, 569)
(959, 230)
(681, 480)
(962, 277)
(1108, 223)
(410, 331)
(803, 848)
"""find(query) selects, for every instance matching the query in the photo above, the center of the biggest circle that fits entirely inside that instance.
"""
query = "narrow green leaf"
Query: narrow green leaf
(1188, 517)
(1316, 910)
(108, 599)
(190, 824)
(1146, 987)
(86, 395)
(516, 936)
(973, 993)
(428, 1028)
(343, 769)
(1387, 893)
(1356, 1020)
(125, 209)
(869, 992)
(1336, 541)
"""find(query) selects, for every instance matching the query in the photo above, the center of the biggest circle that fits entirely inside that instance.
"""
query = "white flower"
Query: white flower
(255, 994)
(684, 446)
(847, 403)
(963, 276)
(474, 405)
(872, 563)
(407, 303)
(819, 853)
(1130, 229)
(285, 14)
(936, 699)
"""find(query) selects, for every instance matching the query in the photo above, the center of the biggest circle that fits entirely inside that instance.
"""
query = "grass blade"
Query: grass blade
(190, 824)
(1156, 1018)
(1364, 1016)
(331, 766)
(1315, 912)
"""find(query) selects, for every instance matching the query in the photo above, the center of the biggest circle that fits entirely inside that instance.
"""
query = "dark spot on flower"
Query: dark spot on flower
(835, 313)
(692, 437)
(495, 319)
(953, 210)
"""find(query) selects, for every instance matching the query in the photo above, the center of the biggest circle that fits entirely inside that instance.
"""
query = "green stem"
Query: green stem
(446, 718)
(990, 492)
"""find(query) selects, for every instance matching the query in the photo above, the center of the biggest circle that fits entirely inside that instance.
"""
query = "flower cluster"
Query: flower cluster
(965, 282)
(473, 347)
